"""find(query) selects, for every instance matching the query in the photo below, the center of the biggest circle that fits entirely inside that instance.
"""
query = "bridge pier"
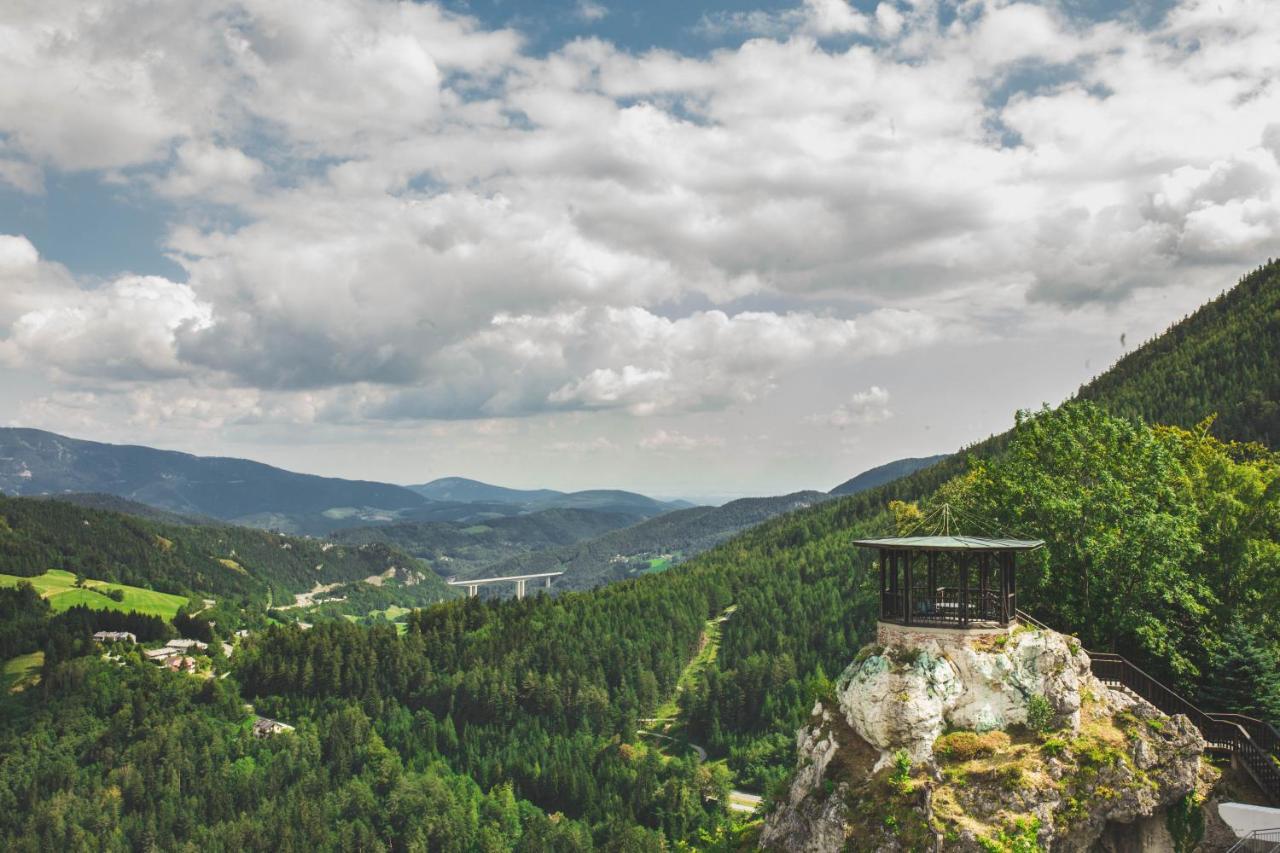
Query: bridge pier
(521, 581)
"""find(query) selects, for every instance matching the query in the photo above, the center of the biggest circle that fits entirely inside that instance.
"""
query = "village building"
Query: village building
(115, 637)
(265, 727)
(180, 663)
(185, 645)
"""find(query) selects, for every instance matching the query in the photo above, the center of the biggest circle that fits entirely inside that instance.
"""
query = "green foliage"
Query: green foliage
(182, 560)
(966, 745)
(1020, 837)
(1185, 821)
(1157, 537)
(1224, 360)
(900, 778)
(1040, 714)
(1053, 747)
(145, 759)
(1246, 674)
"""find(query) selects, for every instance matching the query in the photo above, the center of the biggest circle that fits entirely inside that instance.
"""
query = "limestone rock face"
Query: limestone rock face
(905, 694)
(925, 746)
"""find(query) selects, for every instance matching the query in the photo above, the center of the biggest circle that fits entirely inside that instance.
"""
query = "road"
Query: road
(739, 801)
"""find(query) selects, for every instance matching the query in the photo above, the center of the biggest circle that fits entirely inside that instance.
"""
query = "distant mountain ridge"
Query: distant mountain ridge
(664, 539)
(464, 490)
(35, 462)
(882, 474)
(457, 548)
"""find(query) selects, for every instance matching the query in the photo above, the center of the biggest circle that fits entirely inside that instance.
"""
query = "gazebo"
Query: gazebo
(948, 581)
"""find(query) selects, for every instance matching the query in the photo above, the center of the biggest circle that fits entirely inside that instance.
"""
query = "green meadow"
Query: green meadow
(21, 672)
(59, 588)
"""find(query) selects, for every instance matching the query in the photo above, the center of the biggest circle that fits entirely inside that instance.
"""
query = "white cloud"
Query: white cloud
(214, 172)
(432, 223)
(591, 11)
(674, 440)
(812, 17)
(863, 408)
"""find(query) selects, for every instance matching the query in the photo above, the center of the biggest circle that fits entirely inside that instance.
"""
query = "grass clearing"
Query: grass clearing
(708, 647)
(21, 672)
(661, 564)
(59, 588)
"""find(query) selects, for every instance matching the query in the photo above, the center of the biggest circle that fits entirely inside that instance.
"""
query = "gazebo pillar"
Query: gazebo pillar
(906, 588)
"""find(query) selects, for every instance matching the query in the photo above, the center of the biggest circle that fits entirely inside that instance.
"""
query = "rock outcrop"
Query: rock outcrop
(945, 740)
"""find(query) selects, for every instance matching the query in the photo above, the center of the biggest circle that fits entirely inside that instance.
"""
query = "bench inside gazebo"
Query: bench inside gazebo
(949, 581)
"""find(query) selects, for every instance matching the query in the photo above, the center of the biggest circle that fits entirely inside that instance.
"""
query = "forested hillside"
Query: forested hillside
(886, 473)
(35, 462)
(1223, 360)
(1162, 543)
(247, 565)
(655, 544)
(461, 548)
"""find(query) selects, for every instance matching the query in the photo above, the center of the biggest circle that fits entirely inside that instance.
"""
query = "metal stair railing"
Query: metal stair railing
(1258, 841)
(1255, 743)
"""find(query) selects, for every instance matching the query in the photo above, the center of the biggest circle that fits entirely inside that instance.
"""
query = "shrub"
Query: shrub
(1021, 837)
(900, 778)
(1039, 714)
(963, 745)
(1185, 821)
(1053, 747)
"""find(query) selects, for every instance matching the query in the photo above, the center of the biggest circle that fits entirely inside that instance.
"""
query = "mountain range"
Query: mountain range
(39, 463)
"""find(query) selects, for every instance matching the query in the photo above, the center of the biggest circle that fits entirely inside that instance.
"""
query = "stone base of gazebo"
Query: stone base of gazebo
(910, 636)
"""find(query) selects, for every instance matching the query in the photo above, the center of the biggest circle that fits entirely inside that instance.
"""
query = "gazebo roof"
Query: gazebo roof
(949, 543)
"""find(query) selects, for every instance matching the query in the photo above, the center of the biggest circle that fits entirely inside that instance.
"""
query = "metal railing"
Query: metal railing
(1254, 743)
(1258, 841)
(947, 606)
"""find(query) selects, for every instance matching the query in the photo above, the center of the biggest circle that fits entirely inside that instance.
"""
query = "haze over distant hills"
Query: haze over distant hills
(653, 545)
(463, 490)
(35, 462)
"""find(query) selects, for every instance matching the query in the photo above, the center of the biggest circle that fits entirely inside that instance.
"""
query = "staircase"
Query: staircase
(1258, 841)
(1253, 743)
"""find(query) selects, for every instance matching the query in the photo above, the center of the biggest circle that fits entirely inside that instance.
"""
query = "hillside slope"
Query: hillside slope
(882, 474)
(1224, 359)
(35, 462)
(223, 561)
(466, 490)
(655, 543)
(459, 548)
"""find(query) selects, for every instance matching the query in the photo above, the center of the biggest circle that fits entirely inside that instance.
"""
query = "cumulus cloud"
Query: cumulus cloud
(432, 223)
(590, 11)
(210, 171)
(674, 440)
(863, 408)
(812, 17)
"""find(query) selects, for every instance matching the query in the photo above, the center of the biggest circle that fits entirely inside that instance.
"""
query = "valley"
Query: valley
(656, 695)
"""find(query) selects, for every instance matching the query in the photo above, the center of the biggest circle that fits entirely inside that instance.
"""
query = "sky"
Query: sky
(696, 250)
